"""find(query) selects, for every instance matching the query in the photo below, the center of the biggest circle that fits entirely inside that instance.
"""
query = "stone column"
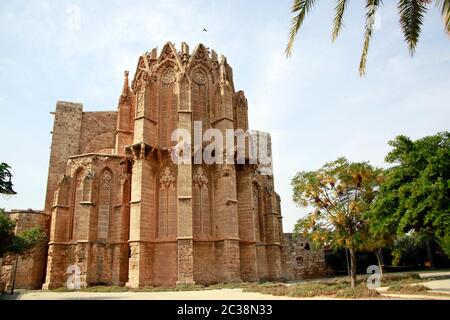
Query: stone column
(185, 243)
(274, 243)
(227, 226)
(142, 203)
(55, 273)
(225, 197)
(247, 248)
(142, 215)
(120, 247)
(125, 117)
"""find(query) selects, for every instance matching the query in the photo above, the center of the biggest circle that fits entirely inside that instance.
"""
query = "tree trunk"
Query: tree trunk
(15, 273)
(429, 252)
(352, 267)
(346, 259)
(380, 258)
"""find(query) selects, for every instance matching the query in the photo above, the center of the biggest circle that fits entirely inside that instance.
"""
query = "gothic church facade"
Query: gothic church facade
(122, 213)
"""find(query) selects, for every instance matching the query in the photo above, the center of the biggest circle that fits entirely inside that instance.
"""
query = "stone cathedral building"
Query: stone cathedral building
(120, 212)
(125, 214)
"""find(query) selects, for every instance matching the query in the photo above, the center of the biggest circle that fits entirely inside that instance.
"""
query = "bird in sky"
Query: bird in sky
(205, 30)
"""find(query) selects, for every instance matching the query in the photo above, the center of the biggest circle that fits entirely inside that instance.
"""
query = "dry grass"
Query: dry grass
(273, 288)
(397, 279)
(359, 292)
(104, 289)
(338, 289)
(173, 288)
(232, 285)
(407, 289)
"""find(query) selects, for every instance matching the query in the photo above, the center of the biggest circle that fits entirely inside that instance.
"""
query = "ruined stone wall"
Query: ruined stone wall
(302, 261)
(30, 270)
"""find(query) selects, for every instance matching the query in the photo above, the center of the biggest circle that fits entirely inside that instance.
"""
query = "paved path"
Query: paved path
(435, 275)
(435, 286)
(438, 285)
(222, 294)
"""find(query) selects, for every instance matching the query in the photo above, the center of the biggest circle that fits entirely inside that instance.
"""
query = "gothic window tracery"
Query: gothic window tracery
(77, 198)
(201, 203)
(167, 107)
(167, 214)
(140, 102)
(104, 204)
(200, 99)
(87, 186)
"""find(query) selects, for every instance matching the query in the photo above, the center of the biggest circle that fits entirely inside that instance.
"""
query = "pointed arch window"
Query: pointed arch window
(77, 198)
(167, 214)
(200, 102)
(201, 203)
(167, 106)
(104, 205)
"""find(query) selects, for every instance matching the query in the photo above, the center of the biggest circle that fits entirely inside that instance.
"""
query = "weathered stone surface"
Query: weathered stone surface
(302, 261)
(30, 271)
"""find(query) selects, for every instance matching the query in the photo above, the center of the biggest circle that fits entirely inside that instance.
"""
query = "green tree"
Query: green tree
(339, 194)
(22, 243)
(409, 250)
(5, 179)
(411, 13)
(416, 193)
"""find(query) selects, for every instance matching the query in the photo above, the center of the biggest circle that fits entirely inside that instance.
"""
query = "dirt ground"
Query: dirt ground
(438, 283)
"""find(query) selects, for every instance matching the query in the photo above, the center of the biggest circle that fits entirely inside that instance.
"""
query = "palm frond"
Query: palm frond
(411, 20)
(301, 8)
(341, 5)
(371, 10)
(445, 10)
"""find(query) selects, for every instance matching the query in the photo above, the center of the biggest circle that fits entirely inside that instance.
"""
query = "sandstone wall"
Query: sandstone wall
(30, 272)
(98, 132)
(77, 132)
(302, 262)
(158, 223)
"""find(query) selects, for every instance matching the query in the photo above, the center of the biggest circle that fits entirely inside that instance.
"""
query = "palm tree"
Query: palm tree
(411, 14)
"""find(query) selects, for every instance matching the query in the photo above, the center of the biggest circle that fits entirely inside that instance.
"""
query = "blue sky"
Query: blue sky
(315, 103)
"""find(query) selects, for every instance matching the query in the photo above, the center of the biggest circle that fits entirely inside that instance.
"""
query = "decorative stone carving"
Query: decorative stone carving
(125, 97)
(199, 77)
(167, 180)
(199, 179)
(201, 55)
(169, 76)
(142, 77)
(62, 179)
(140, 101)
(168, 53)
(142, 155)
(225, 171)
(106, 179)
